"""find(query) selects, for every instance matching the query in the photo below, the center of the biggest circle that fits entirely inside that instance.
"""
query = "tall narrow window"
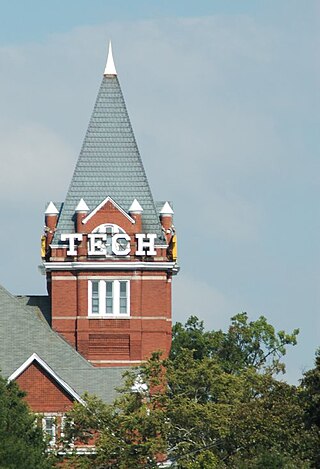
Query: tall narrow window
(109, 297)
(49, 427)
(95, 297)
(123, 297)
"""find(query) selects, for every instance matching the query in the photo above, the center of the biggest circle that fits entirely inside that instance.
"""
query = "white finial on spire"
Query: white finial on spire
(110, 67)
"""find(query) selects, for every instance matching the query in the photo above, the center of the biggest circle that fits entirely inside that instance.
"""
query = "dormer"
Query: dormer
(108, 211)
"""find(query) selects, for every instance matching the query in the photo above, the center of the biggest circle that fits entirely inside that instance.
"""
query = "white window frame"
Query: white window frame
(102, 298)
(53, 437)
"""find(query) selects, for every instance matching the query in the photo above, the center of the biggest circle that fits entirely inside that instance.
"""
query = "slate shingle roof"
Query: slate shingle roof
(23, 332)
(109, 164)
(39, 304)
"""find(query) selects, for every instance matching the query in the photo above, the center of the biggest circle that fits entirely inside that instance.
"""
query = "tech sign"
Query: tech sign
(111, 244)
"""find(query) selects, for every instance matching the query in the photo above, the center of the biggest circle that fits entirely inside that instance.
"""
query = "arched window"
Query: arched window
(105, 246)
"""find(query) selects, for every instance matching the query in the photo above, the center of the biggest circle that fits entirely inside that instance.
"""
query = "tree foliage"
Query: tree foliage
(22, 444)
(311, 393)
(215, 403)
(246, 343)
(132, 431)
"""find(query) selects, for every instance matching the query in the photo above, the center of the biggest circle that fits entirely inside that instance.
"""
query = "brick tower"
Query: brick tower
(109, 250)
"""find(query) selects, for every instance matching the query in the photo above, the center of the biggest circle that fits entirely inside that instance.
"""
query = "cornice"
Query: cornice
(148, 266)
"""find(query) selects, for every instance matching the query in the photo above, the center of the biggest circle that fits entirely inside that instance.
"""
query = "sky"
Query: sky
(223, 97)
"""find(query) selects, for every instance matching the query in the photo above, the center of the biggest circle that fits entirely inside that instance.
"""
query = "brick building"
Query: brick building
(109, 255)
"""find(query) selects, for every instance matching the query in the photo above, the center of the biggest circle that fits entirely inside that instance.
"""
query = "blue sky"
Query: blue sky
(35, 20)
(224, 101)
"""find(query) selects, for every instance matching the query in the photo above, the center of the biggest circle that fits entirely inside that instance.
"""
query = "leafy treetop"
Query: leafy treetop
(246, 344)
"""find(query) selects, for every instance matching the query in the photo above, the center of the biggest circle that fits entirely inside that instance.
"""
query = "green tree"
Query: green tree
(130, 433)
(311, 392)
(213, 404)
(246, 343)
(22, 444)
(234, 417)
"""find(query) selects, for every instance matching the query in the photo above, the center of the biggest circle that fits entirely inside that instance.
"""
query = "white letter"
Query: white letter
(121, 248)
(96, 246)
(146, 247)
(71, 238)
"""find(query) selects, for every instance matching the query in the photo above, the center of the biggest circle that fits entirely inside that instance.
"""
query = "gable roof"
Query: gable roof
(109, 164)
(35, 358)
(23, 333)
(102, 204)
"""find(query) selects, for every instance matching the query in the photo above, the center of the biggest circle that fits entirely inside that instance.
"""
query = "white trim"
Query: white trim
(115, 361)
(49, 370)
(156, 318)
(123, 316)
(111, 277)
(53, 437)
(108, 199)
(64, 278)
(87, 449)
(113, 265)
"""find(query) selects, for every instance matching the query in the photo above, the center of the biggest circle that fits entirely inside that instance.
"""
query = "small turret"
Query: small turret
(81, 212)
(166, 218)
(135, 212)
(51, 220)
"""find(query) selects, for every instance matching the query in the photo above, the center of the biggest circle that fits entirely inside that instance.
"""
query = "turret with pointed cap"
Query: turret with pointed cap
(51, 209)
(166, 214)
(135, 211)
(51, 218)
(135, 207)
(166, 210)
(81, 211)
(82, 206)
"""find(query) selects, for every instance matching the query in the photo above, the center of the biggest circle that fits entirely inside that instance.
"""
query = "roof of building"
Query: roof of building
(109, 164)
(23, 332)
(40, 305)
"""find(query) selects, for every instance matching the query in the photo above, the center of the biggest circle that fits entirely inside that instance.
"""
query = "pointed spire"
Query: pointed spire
(82, 206)
(135, 207)
(109, 142)
(110, 67)
(166, 209)
(51, 209)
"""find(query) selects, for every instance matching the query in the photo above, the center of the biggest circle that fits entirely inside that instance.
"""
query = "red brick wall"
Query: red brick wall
(147, 329)
(117, 341)
(43, 393)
